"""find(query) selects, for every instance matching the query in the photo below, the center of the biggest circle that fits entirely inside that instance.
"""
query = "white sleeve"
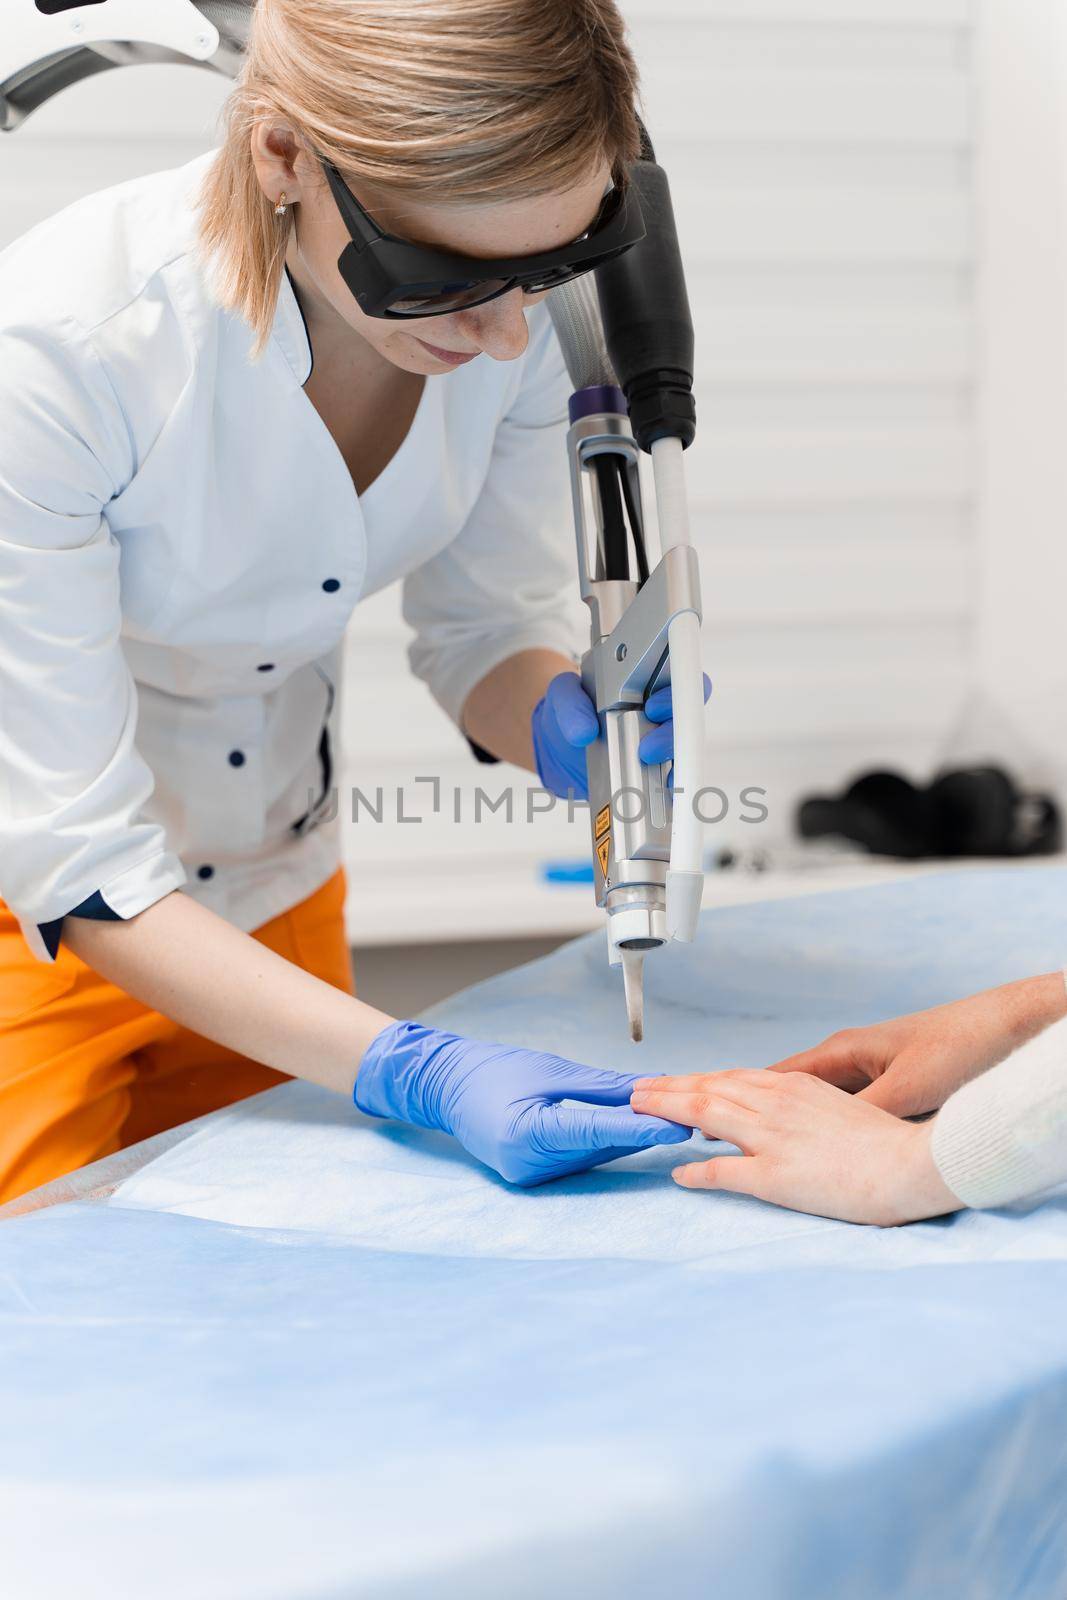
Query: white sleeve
(1003, 1136)
(71, 779)
(509, 580)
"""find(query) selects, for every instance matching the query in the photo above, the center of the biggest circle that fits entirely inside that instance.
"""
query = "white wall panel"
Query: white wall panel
(1023, 413)
(773, 467)
(844, 227)
(807, 13)
(875, 288)
(776, 347)
(691, 96)
(835, 584)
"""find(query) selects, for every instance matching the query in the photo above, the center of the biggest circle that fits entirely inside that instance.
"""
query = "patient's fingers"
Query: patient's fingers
(738, 1174)
(905, 1090)
(719, 1116)
(838, 1060)
(686, 1082)
(741, 1086)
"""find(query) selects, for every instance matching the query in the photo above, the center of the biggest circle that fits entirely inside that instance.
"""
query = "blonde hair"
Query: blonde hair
(454, 100)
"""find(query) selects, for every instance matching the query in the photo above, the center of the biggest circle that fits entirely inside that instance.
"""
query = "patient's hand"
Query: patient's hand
(913, 1063)
(804, 1144)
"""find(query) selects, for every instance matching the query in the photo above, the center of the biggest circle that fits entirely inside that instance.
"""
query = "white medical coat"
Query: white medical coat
(182, 547)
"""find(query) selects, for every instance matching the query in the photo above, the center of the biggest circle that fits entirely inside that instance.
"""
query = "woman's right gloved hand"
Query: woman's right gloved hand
(502, 1103)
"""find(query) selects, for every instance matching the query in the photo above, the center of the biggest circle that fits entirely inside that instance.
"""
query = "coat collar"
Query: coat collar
(289, 331)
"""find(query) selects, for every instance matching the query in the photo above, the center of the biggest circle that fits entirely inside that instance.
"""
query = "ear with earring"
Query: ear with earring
(280, 208)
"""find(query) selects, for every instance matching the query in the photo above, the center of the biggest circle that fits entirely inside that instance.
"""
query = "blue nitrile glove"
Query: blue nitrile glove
(564, 722)
(501, 1102)
(659, 744)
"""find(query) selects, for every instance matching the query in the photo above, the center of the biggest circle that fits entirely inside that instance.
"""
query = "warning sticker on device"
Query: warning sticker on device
(603, 823)
(603, 850)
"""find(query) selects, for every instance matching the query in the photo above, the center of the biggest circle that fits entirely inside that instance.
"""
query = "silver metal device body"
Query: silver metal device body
(630, 804)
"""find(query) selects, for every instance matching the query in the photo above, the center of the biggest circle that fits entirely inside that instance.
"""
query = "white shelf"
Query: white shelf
(452, 907)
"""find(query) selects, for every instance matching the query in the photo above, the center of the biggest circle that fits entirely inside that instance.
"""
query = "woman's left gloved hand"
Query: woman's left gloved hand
(564, 722)
(502, 1102)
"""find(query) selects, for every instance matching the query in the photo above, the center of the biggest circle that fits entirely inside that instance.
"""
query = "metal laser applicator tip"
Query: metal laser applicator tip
(633, 982)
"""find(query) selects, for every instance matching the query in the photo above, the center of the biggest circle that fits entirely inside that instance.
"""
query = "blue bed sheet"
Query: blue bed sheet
(307, 1355)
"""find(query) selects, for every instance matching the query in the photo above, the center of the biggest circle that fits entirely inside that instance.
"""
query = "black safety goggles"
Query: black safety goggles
(392, 277)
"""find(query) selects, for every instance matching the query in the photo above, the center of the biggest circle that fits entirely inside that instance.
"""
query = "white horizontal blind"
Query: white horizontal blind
(1022, 710)
(821, 159)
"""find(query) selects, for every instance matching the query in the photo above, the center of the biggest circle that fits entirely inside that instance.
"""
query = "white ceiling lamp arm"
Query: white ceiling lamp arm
(44, 51)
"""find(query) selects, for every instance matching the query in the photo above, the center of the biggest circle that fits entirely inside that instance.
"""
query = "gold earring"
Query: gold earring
(279, 209)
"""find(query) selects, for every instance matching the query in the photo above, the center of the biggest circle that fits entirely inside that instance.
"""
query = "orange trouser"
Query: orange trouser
(86, 1070)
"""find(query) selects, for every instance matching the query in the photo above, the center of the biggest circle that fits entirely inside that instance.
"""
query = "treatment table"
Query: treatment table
(291, 1352)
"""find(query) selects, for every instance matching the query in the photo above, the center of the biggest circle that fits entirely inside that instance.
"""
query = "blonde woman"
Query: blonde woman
(238, 397)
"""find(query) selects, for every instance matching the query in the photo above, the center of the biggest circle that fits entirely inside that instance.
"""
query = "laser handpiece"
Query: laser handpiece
(626, 335)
